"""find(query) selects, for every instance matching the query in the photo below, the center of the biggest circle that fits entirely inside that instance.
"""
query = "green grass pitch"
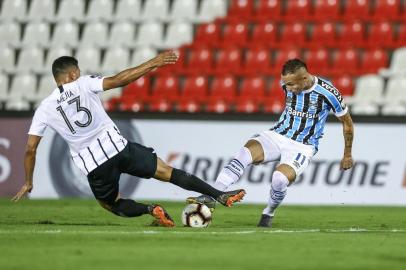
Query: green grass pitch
(78, 234)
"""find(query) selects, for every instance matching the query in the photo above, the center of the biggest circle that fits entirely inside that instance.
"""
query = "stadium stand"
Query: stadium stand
(225, 43)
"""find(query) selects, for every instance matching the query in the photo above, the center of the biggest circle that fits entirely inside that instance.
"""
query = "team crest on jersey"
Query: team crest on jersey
(312, 105)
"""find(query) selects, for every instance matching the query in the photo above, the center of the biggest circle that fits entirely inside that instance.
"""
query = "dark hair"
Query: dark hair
(292, 65)
(61, 64)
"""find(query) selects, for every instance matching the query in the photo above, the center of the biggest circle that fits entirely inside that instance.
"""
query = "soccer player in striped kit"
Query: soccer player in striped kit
(75, 112)
(294, 140)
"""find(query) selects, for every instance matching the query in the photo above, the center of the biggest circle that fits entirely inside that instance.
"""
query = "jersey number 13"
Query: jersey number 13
(78, 109)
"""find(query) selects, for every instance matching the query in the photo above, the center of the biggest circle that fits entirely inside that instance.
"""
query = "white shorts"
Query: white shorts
(287, 151)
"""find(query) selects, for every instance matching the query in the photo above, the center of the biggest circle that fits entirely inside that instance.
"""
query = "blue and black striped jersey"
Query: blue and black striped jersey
(305, 113)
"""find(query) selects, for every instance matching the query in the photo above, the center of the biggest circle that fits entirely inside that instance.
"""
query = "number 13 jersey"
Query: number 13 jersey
(75, 112)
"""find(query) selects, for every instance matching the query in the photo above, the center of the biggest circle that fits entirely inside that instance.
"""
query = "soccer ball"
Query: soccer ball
(196, 215)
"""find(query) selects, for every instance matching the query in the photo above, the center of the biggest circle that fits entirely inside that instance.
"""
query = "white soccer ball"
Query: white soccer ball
(196, 215)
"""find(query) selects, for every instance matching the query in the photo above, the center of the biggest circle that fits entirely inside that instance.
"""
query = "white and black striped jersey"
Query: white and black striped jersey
(75, 112)
(305, 114)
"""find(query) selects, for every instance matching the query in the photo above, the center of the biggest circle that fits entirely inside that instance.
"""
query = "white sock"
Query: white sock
(279, 187)
(233, 171)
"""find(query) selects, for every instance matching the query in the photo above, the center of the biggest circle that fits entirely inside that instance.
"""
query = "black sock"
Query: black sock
(190, 182)
(129, 208)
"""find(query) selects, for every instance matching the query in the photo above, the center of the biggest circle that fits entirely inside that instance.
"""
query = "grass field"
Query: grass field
(78, 234)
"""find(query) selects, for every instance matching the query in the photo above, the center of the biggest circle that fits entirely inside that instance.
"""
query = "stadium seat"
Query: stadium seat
(100, 10)
(223, 88)
(275, 101)
(265, 34)
(128, 10)
(155, 10)
(215, 105)
(247, 106)
(200, 60)
(71, 10)
(344, 84)
(346, 61)
(122, 34)
(54, 53)
(368, 89)
(401, 37)
(241, 9)
(180, 66)
(298, 9)
(228, 61)
(398, 63)
(183, 10)
(139, 89)
(7, 59)
(178, 33)
(41, 10)
(144, 37)
(269, 9)
(325, 33)
(10, 33)
(3, 88)
(381, 33)
(352, 34)
(94, 34)
(281, 57)
(141, 55)
(294, 33)
(326, 10)
(356, 10)
(13, 10)
(37, 33)
(373, 60)
(257, 61)
(252, 88)
(318, 61)
(89, 59)
(115, 60)
(195, 88)
(65, 33)
(207, 34)
(235, 34)
(211, 9)
(166, 87)
(160, 106)
(394, 109)
(46, 85)
(395, 91)
(30, 59)
(386, 9)
(23, 87)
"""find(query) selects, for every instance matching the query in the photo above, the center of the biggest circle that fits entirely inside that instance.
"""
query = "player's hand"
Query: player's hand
(26, 188)
(346, 163)
(166, 58)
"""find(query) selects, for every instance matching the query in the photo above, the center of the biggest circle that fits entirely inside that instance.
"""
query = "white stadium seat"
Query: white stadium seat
(149, 34)
(179, 33)
(183, 10)
(94, 34)
(395, 97)
(23, 87)
(42, 10)
(10, 33)
(46, 85)
(397, 65)
(128, 10)
(3, 87)
(368, 95)
(89, 60)
(65, 33)
(37, 33)
(211, 9)
(122, 34)
(141, 55)
(100, 10)
(115, 59)
(7, 59)
(30, 59)
(13, 10)
(71, 9)
(155, 10)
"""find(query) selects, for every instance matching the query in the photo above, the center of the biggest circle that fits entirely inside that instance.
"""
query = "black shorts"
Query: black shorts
(135, 159)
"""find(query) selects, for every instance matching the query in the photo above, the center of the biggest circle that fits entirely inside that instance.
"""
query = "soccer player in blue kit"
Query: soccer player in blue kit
(294, 140)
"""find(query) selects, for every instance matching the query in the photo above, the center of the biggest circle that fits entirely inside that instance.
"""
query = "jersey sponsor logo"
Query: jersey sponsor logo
(64, 96)
(333, 90)
(302, 114)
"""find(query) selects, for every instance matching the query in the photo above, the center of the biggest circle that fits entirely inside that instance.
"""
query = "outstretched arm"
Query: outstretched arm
(348, 132)
(29, 164)
(129, 75)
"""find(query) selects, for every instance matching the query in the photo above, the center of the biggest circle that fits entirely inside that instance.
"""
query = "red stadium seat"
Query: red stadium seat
(269, 9)
(325, 33)
(353, 34)
(189, 105)
(275, 101)
(356, 10)
(131, 105)
(241, 9)
(257, 60)
(200, 60)
(218, 106)
(344, 84)
(294, 33)
(318, 61)
(298, 9)
(195, 89)
(373, 60)
(223, 88)
(228, 61)
(346, 61)
(386, 9)
(282, 57)
(264, 33)
(247, 106)
(207, 34)
(326, 10)
(166, 87)
(381, 33)
(139, 89)
(179, 67)
(401, 38)
(252, 88)
(235, 34)
(160, 105)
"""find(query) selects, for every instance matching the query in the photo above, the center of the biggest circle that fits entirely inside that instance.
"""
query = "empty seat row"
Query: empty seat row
(109, 10)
